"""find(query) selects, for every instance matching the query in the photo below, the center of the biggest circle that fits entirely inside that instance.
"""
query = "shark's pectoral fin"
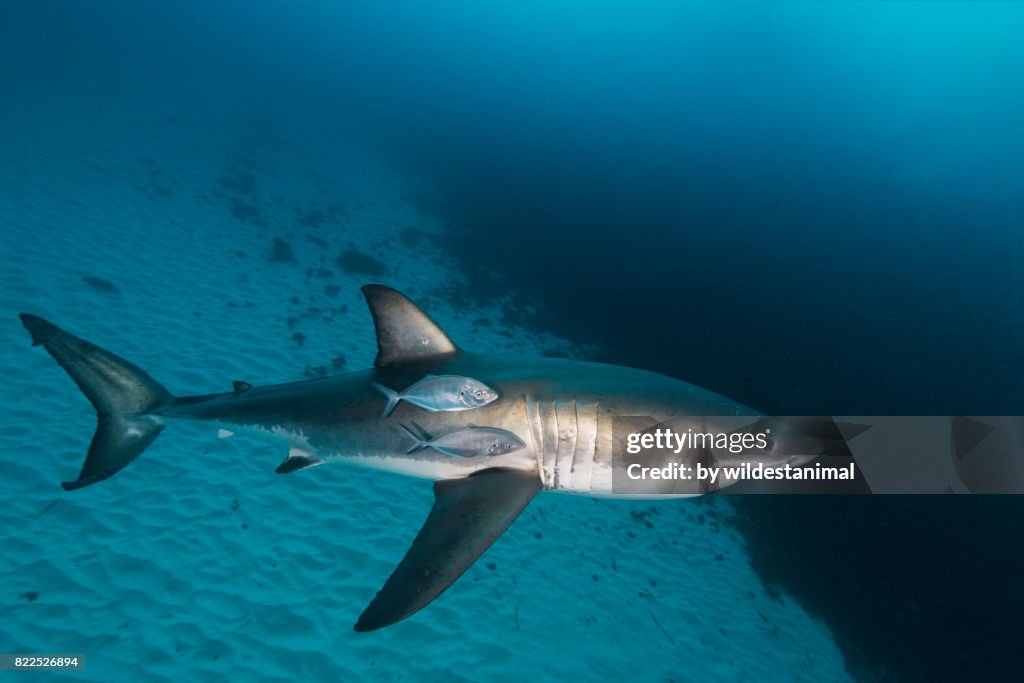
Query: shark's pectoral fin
(468, 516)
(298, 459)
(404, 332)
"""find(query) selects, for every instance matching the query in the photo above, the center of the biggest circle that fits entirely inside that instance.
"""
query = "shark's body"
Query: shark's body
(562, 410)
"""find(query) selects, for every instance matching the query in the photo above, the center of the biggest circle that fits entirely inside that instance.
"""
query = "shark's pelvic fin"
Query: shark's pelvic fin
(123, 395)
(468, 516)
(404, 332)
(298, 459)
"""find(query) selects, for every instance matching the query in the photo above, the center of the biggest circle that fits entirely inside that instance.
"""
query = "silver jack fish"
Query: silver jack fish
(441, 393)
(471, 442)
(562, 412)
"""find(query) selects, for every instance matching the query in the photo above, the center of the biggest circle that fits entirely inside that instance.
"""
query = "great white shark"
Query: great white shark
(562, 410)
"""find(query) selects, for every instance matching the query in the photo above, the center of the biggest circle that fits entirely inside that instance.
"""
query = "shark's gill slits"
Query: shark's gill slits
(586, 443)
(567, 435)
(549, 427)
(533, 419)
(565, 426)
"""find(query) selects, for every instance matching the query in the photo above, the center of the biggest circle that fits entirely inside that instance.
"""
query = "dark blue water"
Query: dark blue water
(811, 207)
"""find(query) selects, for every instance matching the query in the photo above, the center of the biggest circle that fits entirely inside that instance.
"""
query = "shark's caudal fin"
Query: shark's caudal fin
(468, 516)
(122, 394)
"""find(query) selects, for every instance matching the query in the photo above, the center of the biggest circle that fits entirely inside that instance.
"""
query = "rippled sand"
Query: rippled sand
(198, 562)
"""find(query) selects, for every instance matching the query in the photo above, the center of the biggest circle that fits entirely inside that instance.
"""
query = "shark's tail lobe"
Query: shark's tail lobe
(123, 395)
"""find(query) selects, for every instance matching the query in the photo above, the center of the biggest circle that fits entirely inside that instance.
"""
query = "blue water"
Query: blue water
(810, 207)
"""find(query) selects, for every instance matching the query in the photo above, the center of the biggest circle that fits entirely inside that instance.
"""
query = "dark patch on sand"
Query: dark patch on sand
(100, 285)
(314, 371)
(312, 218)
(318, 241)
(239, 182)
(247, 213)
(160, 181)
(315, 216)
(354, 262)
(281, 252)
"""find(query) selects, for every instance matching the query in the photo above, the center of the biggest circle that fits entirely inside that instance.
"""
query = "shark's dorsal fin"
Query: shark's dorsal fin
(404, 332)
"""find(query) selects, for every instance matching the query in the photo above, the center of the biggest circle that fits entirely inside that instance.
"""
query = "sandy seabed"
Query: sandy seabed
(198, 562)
